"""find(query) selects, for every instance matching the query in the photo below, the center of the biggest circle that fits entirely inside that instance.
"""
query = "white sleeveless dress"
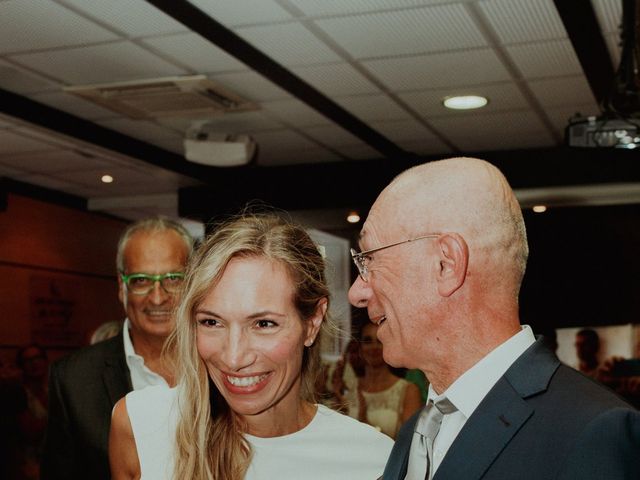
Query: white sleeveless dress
(332, 447)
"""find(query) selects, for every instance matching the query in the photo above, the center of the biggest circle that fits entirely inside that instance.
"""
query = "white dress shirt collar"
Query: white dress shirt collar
(141, 375)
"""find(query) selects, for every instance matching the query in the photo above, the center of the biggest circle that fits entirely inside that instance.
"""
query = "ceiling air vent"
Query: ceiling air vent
(164, 97)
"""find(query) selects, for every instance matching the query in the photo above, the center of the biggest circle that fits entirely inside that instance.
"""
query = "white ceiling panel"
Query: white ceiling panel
(294, 112)
(373, 107)
(73, 105)
(519, 21)
(49, 137)
(251, 86)
(290, 44)
(404, 32)
(38, 24)
(429, 103)
(240, 122)
(21, 81)
(332, 136)
(336, 79)
(615, 49)
(161, 136)
(293, 157)
(426, 146)
(113, 62)
(563, 91)
(242, 12)
(12, 143)
(133, 18)
(359, 152)
(609, 15)
(495, 131)
(341, 7)
(548, 59)
(195, 52)
(281, 141)
(403, 130)
(471, 67)
(52, 161)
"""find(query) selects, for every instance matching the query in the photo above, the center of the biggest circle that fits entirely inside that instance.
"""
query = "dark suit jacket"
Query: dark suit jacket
(83, 388)
(542, 420)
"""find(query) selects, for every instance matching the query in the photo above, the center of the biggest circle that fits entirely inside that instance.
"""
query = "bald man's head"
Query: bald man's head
(467, 196)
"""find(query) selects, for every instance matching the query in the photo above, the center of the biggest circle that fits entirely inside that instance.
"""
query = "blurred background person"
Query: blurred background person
(247, 350)
(381, 398)
(105, 331)
(587, 348)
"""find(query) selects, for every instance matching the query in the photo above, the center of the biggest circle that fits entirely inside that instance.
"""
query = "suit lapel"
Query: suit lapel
(499, 416)
(115, 376)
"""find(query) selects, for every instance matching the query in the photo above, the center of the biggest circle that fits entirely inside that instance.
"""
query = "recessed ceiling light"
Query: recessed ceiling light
(539, 208)
(465, 102)
(107, 179)
(353, 217)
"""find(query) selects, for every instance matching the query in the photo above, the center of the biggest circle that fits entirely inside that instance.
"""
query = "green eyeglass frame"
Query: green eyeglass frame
(143, 283)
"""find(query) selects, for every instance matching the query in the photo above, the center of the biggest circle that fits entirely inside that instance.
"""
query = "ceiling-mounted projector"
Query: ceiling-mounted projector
(205, 146)
(603, 132)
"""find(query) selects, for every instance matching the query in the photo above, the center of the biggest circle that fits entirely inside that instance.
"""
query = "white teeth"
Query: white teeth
(245, 381)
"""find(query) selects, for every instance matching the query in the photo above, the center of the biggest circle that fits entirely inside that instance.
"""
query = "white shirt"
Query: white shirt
(469, 390)
(141, 376)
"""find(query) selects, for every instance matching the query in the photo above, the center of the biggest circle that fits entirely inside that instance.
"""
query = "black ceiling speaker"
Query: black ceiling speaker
(619, 124)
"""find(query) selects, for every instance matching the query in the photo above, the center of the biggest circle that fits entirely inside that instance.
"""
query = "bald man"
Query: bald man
(443, 253)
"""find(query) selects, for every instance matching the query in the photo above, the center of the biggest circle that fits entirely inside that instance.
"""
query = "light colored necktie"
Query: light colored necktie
(427, 429)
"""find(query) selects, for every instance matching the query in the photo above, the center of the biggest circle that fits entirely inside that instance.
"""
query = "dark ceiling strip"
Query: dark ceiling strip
(581, 24)
(201, 23)
(56, 197)
(58, 121)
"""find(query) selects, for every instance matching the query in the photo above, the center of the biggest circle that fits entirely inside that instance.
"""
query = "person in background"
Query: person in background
(247, 350)
(84, 387)
(383, 400)
(444, 251)
(105, 331)
(587, 349)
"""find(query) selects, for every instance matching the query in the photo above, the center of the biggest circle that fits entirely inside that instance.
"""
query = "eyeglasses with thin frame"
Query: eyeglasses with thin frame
(362, 258)
(143, 283)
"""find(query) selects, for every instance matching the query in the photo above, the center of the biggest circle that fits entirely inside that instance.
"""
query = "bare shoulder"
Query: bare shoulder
(123, 455)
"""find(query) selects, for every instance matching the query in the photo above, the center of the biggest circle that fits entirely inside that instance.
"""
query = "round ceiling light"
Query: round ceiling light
(107, 179)
(353, 217)
(465, 102)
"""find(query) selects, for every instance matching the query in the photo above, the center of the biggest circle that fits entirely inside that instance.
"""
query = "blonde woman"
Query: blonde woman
(247, 350)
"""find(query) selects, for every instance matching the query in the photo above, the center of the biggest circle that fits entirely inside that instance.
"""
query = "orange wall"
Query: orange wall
(57, 273)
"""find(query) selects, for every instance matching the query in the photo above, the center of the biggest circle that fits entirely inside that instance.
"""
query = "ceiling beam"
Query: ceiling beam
(202, 24)
(582, 26)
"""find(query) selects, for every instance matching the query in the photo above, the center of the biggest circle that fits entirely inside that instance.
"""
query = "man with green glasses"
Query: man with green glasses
(151, 260)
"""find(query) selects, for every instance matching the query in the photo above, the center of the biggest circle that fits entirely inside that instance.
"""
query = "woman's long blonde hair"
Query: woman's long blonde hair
(209, 437)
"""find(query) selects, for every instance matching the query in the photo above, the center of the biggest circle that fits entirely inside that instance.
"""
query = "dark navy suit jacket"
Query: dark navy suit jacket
(542, 420)
(83, 388)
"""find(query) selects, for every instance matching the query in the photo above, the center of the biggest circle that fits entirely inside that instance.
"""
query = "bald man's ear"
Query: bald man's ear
(454, 257)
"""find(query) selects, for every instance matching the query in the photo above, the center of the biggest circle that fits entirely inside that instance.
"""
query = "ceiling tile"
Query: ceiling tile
(293, 157)
(614, 47)
(504, 96)
(340, 7)
(495, 131)
(52, 161)
(47, 181)
(471, 67)
(373, 107)
(563, 91)
(131, 17)
(404, 32)
(548, 59)
(294, 112)
(359, 152)
(195, 52)
(21, 81)
(332, 136)
(518, 21)
(113, 62)
(425, 146)
(239, 122)
(336, 79)
(289, 44)
(9, 171)
(609, 15)
(13, 142)
(161, 136)
(73, 104)
(403, 130)
(251, 86)
(282, 141)
(36, 24)
(243, 12)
